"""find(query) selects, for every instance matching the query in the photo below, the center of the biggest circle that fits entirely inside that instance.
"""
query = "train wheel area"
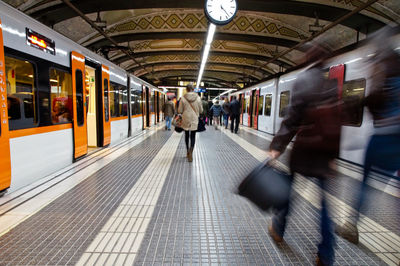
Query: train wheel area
(141, 202)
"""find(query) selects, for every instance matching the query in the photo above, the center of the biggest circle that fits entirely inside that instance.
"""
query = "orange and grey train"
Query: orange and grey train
(58, 99)
(264, 104)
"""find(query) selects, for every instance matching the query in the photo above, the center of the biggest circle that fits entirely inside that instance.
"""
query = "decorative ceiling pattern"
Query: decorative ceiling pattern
(166, 37)
(195, 21)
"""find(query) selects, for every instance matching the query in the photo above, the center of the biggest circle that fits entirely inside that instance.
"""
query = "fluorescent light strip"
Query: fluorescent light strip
(207, 47)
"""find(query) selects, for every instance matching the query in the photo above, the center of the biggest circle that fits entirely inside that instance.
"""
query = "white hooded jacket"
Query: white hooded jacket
(190, 116)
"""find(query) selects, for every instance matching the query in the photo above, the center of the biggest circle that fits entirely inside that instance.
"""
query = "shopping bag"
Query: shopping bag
(267, 187)
(202, 124)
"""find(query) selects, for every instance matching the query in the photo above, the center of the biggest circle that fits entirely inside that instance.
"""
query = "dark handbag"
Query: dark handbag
(267, 187)
(202, 124)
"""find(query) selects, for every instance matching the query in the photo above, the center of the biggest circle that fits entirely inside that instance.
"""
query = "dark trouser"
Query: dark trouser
(235, 119)
(383, 151)
(325, 248)
(192, 139)
(226, 120)
(210, 118)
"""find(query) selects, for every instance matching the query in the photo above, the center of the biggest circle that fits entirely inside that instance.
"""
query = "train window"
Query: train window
(106, 111)
(284, 103)
(260, 104)
(268, 104)
(123, 101)
(79, 97)
(61, 96)
(152, 100)
(114, 99)
(136, 102)
(21, 90)
(353, 96)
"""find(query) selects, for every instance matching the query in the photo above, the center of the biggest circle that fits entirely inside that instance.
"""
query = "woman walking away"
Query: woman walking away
(190, 107)
(216, 110)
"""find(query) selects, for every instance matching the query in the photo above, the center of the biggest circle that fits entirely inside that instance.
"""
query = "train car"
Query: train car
(58, 100)
(351, 71)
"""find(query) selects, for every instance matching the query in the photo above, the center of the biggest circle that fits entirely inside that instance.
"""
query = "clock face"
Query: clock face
(220, 11)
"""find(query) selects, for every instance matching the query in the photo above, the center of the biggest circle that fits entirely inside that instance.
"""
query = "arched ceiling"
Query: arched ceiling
(166, 37)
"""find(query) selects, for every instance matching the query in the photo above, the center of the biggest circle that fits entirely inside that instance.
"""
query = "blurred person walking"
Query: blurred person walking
(383, 102)
(234, 108)
(226, 110)
(314, 118)
(205, 109)
(190, 107)
(210, 114)
(169, 111)
(216, 111)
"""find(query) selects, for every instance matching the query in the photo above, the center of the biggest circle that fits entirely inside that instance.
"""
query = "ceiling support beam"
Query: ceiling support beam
(93, 25)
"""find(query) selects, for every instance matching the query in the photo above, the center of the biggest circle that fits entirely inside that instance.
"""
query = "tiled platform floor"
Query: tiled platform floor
(151, 207)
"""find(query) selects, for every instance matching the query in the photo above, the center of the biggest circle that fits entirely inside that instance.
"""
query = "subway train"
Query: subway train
(60, 101)
(264, 104)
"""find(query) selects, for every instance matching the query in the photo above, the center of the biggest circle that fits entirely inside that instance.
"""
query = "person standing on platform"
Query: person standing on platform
(314, 118)
(210, 115)
(169, 111)
(190, 107)
(216, 111)
(234, 108)
(226, 110)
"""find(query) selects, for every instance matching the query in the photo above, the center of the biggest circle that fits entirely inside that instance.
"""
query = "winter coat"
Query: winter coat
(317, 130)
(190, 117)
(234, 107)
(216, 110)
(225, 108)
(169, 109)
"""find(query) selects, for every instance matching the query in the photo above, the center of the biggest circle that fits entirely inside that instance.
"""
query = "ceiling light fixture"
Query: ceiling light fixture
(207, 47)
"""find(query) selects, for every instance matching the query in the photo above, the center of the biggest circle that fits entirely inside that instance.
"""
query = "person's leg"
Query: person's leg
(192, 139)
(187, 140)
(349, 230)
(216, 121)
(192, 142)
(237, 123)
(232, 122)
(326, 252)
(168, 122)
(278, 225)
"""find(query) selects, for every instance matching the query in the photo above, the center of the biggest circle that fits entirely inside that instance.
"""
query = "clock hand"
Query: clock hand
(224, 11)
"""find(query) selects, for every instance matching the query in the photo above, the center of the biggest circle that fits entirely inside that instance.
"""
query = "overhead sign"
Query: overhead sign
(200, 90)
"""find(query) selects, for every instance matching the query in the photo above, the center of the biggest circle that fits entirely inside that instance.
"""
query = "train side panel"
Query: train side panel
(36, 156)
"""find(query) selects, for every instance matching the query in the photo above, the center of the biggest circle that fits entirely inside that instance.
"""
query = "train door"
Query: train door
(241, 101)
(256, 96)
(92, 107)
(147, 106)
(79, 112)
(105, 85)
(5, 161)
(157, 108)
(337, 72)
